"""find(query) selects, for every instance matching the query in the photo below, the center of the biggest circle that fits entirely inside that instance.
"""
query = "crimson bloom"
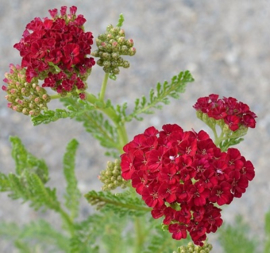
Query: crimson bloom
(233, 112)
(182, 174)
(59, 45)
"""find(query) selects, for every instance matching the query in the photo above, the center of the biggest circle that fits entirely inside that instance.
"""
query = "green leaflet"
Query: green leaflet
(95, 123)
(28, 182)
(234, 239)
(73, 194)
(26, 161)
(86, 234)
(51, 116)
(29, 235)
(123, 204)
(30, 187)
(157, 97)
(120, 20)
(161, 241)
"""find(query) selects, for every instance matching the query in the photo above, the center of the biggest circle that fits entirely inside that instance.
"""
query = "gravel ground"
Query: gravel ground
(225, 44)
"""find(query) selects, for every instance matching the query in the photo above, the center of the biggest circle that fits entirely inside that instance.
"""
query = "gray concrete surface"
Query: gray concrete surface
(225, 44)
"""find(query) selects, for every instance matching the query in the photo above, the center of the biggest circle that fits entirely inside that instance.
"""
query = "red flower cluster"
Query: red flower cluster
(182, 175)
(233, 113)
(55, 50)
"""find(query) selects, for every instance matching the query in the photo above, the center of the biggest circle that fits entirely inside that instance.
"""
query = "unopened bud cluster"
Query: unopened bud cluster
(111, 176)
(25, 97)
(111, 45)
(191, 248)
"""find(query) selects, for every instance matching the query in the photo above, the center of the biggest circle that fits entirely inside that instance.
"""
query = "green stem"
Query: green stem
(139, 235)
(103, 87)
(66, 218)
(123, 139)
(55, 96)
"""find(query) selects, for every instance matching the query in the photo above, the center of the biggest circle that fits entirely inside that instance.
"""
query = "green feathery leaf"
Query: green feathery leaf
(24, 247)
(157, 97)
(121, 203)
(35, 233)
(234, 239)
(120, 20)
(26, 161)
(86, 234)
(72, 192)
(51, 116)
(4, 183)
(161, 241)
(95, 123)
(28, 182)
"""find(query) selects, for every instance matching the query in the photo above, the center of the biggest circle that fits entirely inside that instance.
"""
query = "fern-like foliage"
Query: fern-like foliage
(26, 161)
(235, 239)
(72, 192)
(51, 116)
(121, 203)
(39, 233)
(28, 181)
(118, 235)
(86, 234)
(160, 241)
(94, 122)
(157, 97)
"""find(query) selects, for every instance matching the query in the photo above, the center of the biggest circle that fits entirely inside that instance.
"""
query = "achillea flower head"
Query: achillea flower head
(56, 50)
(183, 176)
(111, 45)
(191, 248)
(25, 97)
(233, 113)
(111, 176)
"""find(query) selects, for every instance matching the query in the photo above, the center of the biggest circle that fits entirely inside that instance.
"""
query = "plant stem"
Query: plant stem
(66, 218)
(103, 87)
(139, 235)
(122, 132)
(55, 96)
(121, 129)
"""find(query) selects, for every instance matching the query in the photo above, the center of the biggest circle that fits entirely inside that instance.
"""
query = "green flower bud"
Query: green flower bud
(116, 71)
(132, 51)
(114, 64)
(115, 30)
(121, 40)
(98, 42)
(126, 64)
(107, 70)
(130, 43)
(106, 56)
(100, 62)
(109, 27)
(25, 111)
(115, 55)
(124, 49)
(111, 176)
(122, 33)
(111, 45)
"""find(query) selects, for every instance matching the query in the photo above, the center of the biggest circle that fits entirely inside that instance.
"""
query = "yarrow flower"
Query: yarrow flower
(233, 112)
(183, 176)
(56, 51)
(111, 46)
(22, 96)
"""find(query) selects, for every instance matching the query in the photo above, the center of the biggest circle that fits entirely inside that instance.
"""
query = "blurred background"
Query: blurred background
(225, 45)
